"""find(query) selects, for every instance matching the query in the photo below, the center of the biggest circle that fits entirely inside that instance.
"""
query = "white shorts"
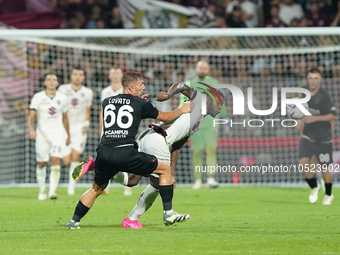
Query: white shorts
(78, 141)
(155, 144)
(46, 147)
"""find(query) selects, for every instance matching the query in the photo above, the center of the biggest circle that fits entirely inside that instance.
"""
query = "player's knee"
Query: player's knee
(41, 164)
(55, 161)
(197, 153)
(303, 161)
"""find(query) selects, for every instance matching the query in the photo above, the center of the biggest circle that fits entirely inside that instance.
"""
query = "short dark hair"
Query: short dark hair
(314, 70)
(129, 77)
(45, 77)
(78, 68)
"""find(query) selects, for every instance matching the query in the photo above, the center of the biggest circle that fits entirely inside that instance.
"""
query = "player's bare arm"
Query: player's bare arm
(175, 150)
(87, 121)
(67, 128)
(167, 116)
(31, 119)
(328, 117)
(178, 87)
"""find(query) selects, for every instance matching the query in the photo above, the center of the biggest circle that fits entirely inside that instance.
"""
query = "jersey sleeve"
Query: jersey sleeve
(149, 111)
(328, 105)
(34, 103)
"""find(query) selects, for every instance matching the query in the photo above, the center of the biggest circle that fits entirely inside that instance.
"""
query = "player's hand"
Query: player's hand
(146, 96)
(162, 96)
(85, 129)
(174, 181)
(309, 119)
(186, 107)
(32, 135)
(68, 141)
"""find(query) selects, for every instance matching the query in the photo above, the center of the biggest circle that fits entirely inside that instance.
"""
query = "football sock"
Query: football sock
(121, 177)
(71, 182)
(312, 182)
(197, 161)
(167, 193)
(41, 178)
(80, 211)
(211, 159)
(54, 179)
(328, 187)
(145, 200)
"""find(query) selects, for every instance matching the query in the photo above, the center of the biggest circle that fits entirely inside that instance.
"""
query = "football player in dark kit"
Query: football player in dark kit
(118, 150)
(316, 137)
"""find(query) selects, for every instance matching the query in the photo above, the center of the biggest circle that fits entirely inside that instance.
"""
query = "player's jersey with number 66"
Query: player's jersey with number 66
(122, 115)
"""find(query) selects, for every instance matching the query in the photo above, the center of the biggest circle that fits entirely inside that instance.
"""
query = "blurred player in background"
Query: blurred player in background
(206, 138)
(114, 89)
(317, 136)
(50, 108)
(79, 114)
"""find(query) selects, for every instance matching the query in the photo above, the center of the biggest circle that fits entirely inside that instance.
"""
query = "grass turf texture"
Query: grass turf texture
(231, 220)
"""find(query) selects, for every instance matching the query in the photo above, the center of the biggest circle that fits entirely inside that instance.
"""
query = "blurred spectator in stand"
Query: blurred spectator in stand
(115, 19)
(336, 21)
(79, 15)
(289, 10)
(100, 24)
(336, 71)
(96, 14)
(315, 18)
(262, 62)
(249, 13)
(235, 20)
(198, 3)
(275, 21)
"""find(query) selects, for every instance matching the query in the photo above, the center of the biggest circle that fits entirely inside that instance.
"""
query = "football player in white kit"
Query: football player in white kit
(50, 108)
(115, 88)
(79, 114)
(169, 138)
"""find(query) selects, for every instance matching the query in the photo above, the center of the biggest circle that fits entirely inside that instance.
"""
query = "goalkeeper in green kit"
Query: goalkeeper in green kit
(206, 137)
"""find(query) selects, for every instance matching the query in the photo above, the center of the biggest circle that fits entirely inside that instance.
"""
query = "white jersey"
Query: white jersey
(186, 124)
(49, 113)
(109, 92)
(79, 101)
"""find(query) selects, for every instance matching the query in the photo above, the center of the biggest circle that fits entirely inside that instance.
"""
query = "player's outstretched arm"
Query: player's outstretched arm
(31, 120)
(174, 89)
(175, 150)
(167, 116)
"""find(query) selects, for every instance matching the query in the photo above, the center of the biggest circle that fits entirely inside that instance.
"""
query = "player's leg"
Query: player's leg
(85, 203)
(197, 146)
(211, 159)
(145, 201)
(54, 177)
(325, 159)
(42, 156)
(166, 190)
(306, 151)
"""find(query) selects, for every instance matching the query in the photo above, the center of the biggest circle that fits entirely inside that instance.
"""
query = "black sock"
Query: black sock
(328, 187)
(167, 193)
(312, 182)
(80, 211)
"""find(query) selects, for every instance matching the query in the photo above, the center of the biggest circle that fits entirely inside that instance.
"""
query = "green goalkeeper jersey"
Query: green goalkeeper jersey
(208, 121)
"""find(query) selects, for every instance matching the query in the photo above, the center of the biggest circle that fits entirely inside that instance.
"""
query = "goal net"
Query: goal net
(256, 58)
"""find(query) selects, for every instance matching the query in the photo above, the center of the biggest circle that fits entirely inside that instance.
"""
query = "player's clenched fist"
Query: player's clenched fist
(186, 107)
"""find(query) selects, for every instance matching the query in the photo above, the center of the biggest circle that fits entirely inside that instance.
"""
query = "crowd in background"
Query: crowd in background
(101, 14)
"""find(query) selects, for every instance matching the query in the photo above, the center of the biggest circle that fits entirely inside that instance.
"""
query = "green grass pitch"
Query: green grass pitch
(228, 220)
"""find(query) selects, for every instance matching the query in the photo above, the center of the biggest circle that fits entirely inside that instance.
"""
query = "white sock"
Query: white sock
(71, 182)
(169, 212)
(146, 198)
(41, 178)
(54, 179)
(121, 177)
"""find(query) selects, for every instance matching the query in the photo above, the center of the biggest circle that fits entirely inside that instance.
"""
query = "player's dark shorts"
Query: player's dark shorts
(322, 150)
(110, 160)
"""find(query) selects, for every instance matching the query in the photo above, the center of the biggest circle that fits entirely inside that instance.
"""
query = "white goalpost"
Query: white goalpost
(257, 58)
